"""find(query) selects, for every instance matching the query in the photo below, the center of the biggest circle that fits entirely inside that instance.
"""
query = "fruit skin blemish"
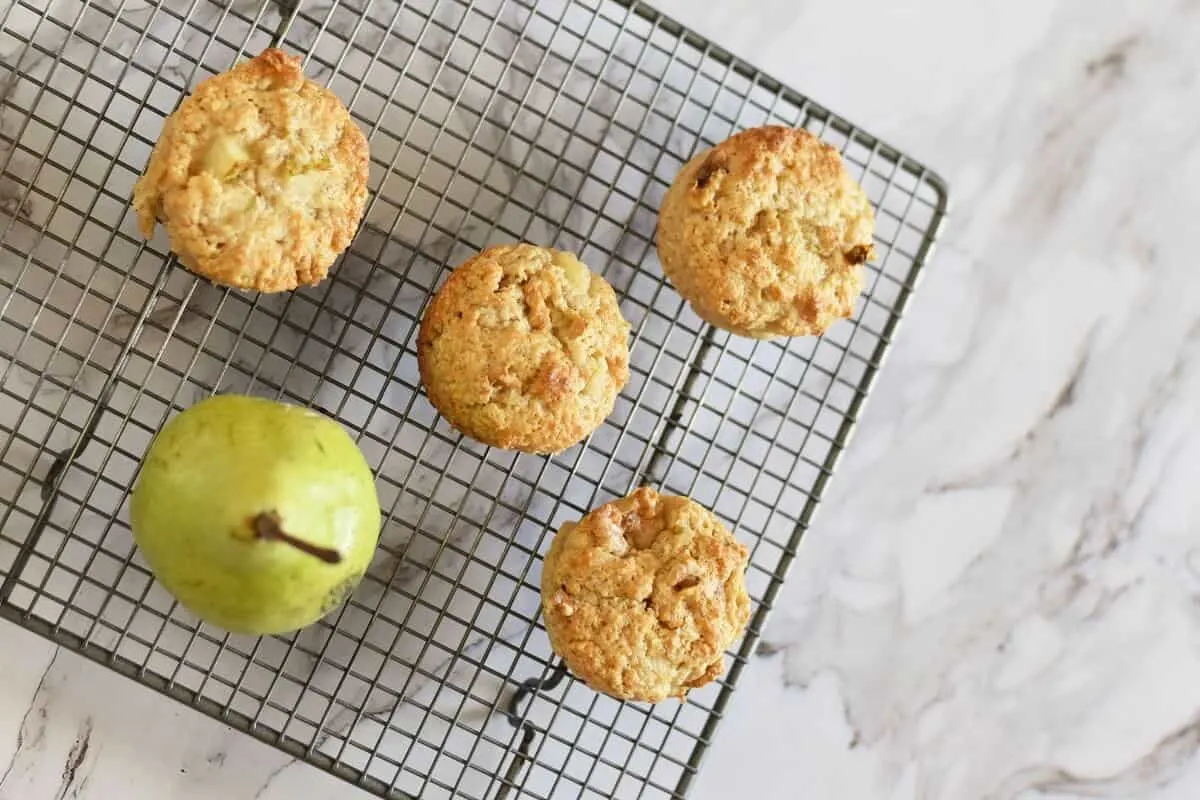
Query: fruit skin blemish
(259, 517)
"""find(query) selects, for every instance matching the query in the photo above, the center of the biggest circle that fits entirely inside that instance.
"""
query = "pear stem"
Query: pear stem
(267, 525)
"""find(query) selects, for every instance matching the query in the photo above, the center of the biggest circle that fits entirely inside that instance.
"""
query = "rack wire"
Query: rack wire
(560, 122)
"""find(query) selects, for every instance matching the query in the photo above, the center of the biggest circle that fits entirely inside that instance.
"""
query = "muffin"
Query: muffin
(642, 596)
(524, 348)
(765, 234)
(259, 177)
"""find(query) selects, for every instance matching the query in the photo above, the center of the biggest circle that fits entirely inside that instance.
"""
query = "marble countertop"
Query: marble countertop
(1000, 598)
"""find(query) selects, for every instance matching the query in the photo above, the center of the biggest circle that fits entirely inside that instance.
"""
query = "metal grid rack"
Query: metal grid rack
(558, 122)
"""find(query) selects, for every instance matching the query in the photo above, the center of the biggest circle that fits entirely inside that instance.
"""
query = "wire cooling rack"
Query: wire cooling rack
(557, 122)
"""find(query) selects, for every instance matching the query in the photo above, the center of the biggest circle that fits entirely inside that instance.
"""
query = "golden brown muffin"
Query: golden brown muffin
(525, 348)
(643, 596)
(765, 234)
(260, 177)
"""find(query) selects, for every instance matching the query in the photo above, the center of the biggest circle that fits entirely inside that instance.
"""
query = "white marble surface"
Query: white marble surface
(999, 597)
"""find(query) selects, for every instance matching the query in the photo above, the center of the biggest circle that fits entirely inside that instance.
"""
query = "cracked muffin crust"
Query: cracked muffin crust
(525, 348)
(259, 177)
(765, 234)
(643, 596)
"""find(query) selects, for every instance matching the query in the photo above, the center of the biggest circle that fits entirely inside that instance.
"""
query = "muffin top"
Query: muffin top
(259, 177)
(643, 596)
(525, 348)
(765, 234)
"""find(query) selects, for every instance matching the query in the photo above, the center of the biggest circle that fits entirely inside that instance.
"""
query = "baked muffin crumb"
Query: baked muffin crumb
(643, 595)
(259, 177)
(766, 233)
(525, 348)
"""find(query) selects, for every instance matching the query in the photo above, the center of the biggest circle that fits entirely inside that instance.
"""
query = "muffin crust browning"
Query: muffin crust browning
(260, 177)
(643, 596)
(765, 234)
(525, 348)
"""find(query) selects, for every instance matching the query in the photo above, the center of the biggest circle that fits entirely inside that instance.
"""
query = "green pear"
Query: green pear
(258, 516)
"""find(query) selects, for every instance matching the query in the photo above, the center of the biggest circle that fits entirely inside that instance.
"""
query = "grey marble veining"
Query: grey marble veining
(997, 600)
